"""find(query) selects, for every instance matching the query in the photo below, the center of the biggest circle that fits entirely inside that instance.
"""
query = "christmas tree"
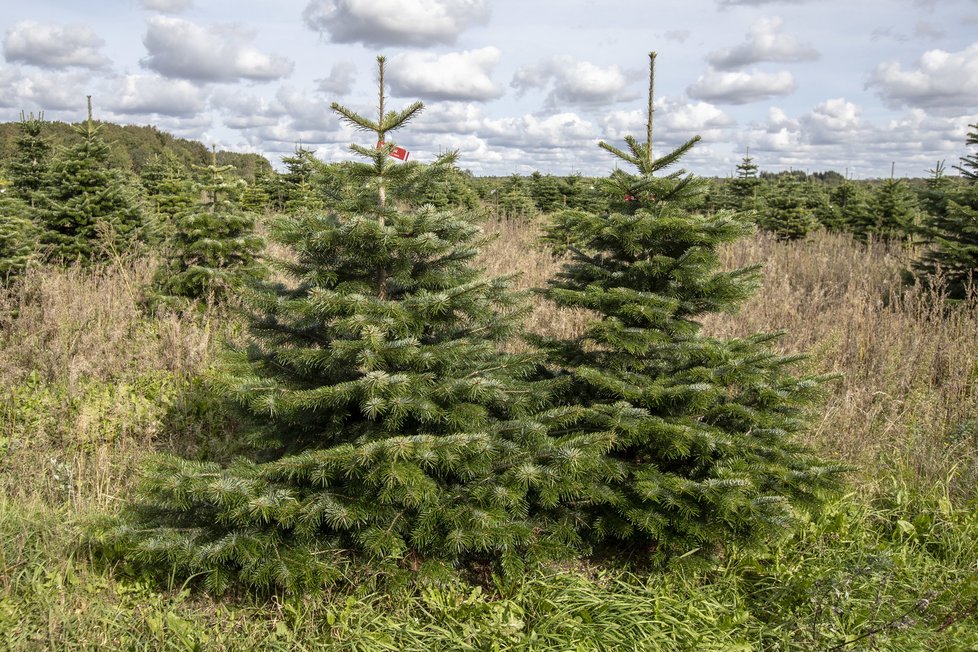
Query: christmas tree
(696, 433)
(296, 182)
(391, 424)
(29, 165)
(894, 209)
(213, 247)
(950, 229)
(852, 202)
(786, 212)
(18, 235)
(170, 192)
(744, 188)
(86, 209)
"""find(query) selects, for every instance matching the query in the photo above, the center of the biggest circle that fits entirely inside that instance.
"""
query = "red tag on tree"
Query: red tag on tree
(400, 153)
(629, 198)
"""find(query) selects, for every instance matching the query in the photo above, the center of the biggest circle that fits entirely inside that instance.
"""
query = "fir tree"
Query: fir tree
(18, 234)
(744, 188)
(85, 202)
(852, 203)
(170, 192)
(786, 212)
(695, 432)
(374, 380)
(950, 231)
(894, 210)
(299, 192)
(29, 165)
(213, 247)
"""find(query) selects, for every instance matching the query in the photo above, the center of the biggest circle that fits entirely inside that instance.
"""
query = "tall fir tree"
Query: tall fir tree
(86, 208)
(392, 424)
(950, 233)
(213, 248)
(696, 433)
(32, 157)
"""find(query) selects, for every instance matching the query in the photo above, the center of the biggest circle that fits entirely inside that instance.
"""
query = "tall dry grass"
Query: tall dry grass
(83, 375)
(908, 395)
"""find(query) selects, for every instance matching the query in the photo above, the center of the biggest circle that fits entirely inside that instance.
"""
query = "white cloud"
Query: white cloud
(340, 80)
(181, 49)
(741, 87)
(452, 76)
(574, 82)
(765, 42)
(54, 46)
(938, 80)
(395, 22)
(167, 6)
(150, 94)
(47, 91)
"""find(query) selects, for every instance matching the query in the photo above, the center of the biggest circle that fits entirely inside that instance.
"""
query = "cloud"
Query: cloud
(765, 42)
(218, 53)
(833, 135)
(150, 94)
(47, 91)
(938, 80)
(340, 81)
(395, 22)
(452, 76)
(740, 87)
(167, 6)
(53, 46)
(677, 35)
(574, 82)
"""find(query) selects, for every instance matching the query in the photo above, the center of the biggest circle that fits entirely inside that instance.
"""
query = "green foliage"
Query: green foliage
(674, 441)
(786, 211)
(86, 208)
(213, 248)
(29, 164)
(391, 427)
(969, 162)
(745, 187)
(18, 236)
(296, 187)
(894, 210)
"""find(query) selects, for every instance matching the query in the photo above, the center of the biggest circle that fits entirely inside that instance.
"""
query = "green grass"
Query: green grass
(891, 572)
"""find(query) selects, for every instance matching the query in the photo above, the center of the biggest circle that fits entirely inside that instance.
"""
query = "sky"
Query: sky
(515, 86)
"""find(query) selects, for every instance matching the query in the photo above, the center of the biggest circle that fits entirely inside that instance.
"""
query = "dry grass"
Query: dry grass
(908, 394)
(85, 376)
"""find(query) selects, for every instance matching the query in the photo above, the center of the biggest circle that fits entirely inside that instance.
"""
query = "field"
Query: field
(91, 386)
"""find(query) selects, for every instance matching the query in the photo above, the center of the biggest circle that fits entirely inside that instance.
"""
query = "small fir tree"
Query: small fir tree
(169, 192)
(786, 212)
(213, 247)
(950, 231)
(18, 234)
(296, 182)
(389, 416)
(852, 202)
(696, 433)
(745, 187)
(894, 209)
(29, 165)
(85, 202)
